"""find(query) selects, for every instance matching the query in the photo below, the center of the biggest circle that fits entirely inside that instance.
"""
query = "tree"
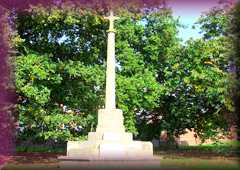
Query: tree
(195, 77)
(234, 35)
(50, 72)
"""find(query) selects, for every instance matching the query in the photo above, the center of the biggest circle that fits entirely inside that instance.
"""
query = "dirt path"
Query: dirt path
(31, 158)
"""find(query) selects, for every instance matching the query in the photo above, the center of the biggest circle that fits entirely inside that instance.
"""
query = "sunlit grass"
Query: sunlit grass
(201, 164)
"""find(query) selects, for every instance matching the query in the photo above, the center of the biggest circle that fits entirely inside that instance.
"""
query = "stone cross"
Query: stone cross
(111, 19)
(110, 141)
(110, 74)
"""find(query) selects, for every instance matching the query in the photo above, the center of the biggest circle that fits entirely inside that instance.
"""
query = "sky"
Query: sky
(189, 11)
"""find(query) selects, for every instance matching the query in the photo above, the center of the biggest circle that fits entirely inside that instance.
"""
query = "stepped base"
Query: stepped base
(110, 142)
(109, 150)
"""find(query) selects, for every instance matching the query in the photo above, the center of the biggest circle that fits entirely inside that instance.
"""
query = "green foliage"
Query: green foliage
(39, 149)
(194, 78)
(36, 77)
(198, 86)
(234, 34)
(137, 87)
(50, 72)
(32, 69)
(214, 23)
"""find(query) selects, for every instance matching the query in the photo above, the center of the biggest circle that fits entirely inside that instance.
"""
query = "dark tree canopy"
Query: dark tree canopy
(97, 5)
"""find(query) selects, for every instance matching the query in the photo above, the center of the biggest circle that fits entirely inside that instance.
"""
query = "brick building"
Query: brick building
(190, 138)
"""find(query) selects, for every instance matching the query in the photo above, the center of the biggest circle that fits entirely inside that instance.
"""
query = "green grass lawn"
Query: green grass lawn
(218, 147)
(222, 149)
(201, 164)
(202, 157)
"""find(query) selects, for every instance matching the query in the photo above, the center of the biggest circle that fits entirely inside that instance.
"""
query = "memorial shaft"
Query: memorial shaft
(111, 65)
(110, 80)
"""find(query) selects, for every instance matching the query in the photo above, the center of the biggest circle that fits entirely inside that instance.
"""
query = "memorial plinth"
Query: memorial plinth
(110, 141)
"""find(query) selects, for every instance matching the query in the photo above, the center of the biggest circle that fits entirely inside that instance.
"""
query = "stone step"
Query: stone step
(110, 136)
(110, 150)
